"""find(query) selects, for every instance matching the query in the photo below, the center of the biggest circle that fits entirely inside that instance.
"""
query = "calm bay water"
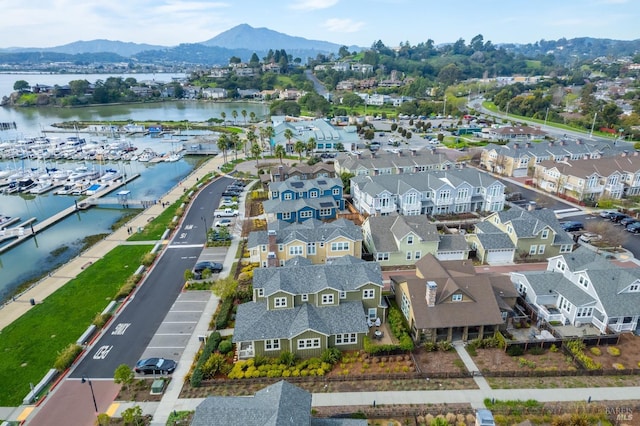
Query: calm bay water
(61, 242)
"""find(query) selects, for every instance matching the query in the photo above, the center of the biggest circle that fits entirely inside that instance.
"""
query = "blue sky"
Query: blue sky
(47, 23)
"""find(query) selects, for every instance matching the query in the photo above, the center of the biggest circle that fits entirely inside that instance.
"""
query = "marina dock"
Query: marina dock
(21, 233)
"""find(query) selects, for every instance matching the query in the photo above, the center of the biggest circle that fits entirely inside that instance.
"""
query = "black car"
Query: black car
(616, 217)
(231, 193)
(634, 227)
(572, 226)
(628, 221)
(200, 267)
(155, 366)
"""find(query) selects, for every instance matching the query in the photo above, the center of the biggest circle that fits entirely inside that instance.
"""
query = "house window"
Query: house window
(287, 196)
(286, 216)
(327, 299)
(582, 280)
(541, 249)
(405, 306)
(343, 294)
(274, 195)
(311, 248)
(271, 345)
(306, 214)
(263, 248)
(584, 312)
(340, 246)
(295, 250)
(326, 212)
(417, 255)
(280, 302)
(456, 297)
(261, 292)
(336, 191)
(313, 194)
(545, 234)
(304, 297)
(280, 247)
(308, 343)
(565, 248)
(409, 255)
(346, 338)
(533, 249)
(634, 287)
(380, 257)
(368, 293)
(410, 239)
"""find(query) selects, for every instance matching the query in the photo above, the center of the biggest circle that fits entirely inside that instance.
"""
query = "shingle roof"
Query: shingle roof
(344, 274)
(605, 166)
(386, 230)
(452, 242)
(492, 238)
(527, 224)
(302, 185)
(255, 322)
(385, 160)
(311, 230)
(279, 206)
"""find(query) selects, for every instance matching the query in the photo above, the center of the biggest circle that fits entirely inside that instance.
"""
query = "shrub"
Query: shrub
(223, 313)
(225, 346)
(196, 378)
(613, 351)
(429, 346)
(553, 348)
(67, 356)
(618, 366)
(331, 356)
(444, 346)
(101, 319)
(537, 350)
(515, 350)
(596, 351)
(287, 358)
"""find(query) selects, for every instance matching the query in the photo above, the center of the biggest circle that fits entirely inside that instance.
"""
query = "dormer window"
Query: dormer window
(585, 282)
(260, 292)
(456, 297)
(410, 239)
(545, 234)
(634, 288)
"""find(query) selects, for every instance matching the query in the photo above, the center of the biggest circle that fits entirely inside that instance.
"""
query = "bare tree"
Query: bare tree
(612, 235)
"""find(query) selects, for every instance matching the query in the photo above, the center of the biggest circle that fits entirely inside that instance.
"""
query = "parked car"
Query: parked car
(628, 221)
(605, 213)
(589, 237)
(572, 226)
(634, 227)
(231, 193)
(222, 222)
(155, 366)
(200, 267)
(617, 217)
(227, 201)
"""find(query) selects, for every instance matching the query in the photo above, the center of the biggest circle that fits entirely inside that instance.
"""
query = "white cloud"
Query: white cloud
(337, 25)
(313, 4)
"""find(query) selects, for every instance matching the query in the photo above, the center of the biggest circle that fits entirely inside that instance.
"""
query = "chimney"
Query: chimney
(272, 259)
(516, 145)
(528, 144)
(281, 173)
(432, 287)
(413, 152)
(578, 141)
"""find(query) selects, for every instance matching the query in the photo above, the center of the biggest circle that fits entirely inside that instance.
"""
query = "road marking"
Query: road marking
(111, 411)
(25, 413)
(186, 312)
(102, 352)
(179, 322)
(169, 334)
(185, 246)
(119, 329)
(166, 347)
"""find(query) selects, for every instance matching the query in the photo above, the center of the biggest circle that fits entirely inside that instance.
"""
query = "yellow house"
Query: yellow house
(315, 240)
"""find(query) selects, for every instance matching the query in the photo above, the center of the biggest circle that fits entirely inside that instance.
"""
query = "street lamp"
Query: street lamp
(93, 395)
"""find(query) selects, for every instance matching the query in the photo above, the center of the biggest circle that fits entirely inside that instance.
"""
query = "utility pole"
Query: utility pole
(593, 125)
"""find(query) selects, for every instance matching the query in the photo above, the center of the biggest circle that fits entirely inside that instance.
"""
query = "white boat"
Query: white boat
(80, 188)
(109, 176)
(95, 188)
(42, 187)
(7, 220)
(82, 173)
(147, 155)
(173, 156)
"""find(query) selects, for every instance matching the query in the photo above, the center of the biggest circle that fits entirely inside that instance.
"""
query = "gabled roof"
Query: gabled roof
(604, 167)
(528, 224)
(255, 322)
(481, 292)
(280, 404)
(343, 274)
(385, 160)
(386, 230)
(492, 238)
(311, 230)
(280, 206)
(303, 185)
(452, 242)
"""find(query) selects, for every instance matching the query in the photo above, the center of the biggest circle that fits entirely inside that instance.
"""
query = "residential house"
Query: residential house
(279, 404)
(367, 163)
(431, 193)
(590, 180)
(318, 241)
(518, 158)
(583, 287)
(296, 200)
(448, 300)
(491, 245)
(327, 137)
(301, 171)
(304, 308)
(402, 240)
(516, 133)
(536, 234)
(214, 93)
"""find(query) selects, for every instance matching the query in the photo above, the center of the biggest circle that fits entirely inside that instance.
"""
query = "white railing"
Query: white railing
(549, 317)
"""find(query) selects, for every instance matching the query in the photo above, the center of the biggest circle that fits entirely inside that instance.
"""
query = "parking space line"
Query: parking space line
(179, 322)
(111, 411)
(186, 312)
(170, 334)
(166, 347)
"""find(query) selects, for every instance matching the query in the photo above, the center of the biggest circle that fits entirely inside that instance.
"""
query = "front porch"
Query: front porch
(383, 337)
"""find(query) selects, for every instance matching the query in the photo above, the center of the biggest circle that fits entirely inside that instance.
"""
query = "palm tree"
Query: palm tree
(236, 143)
(256, 151)
(252, 138)
(224, 116)
(311, 145)
(280, 152)
(223, 144)
(252, 116)
(244, 116)
(234, 114)
(288, 134)
(299, 148)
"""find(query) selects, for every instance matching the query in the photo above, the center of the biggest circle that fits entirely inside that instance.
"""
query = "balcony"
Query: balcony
(443, 201)
(594, 189)
(551, 314)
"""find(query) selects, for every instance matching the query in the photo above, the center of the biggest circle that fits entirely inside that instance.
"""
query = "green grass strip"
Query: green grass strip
(30, 345)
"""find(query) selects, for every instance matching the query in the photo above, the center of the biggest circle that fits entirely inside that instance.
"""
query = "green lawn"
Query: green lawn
(30, 345)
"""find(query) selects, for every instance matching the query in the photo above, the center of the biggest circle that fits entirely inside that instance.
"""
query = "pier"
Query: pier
(21, 233)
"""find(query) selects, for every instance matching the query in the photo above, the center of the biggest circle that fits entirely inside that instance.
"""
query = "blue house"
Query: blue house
(295, 200)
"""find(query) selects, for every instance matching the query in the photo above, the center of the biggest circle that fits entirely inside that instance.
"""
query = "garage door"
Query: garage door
(499, 257)
(451, 255)
(519, 172)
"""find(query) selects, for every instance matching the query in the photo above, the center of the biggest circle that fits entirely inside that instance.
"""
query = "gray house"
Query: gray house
(305, 308)
(280, 404)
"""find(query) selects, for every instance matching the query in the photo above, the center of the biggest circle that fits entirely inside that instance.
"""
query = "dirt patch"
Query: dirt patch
(438, 362)
(362, 363)
(498, 360)
(629, 349)
(139, 390)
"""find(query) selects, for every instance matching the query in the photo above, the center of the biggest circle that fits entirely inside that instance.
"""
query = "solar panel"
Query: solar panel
(326, 204)
(297, 184)
(322, 182)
